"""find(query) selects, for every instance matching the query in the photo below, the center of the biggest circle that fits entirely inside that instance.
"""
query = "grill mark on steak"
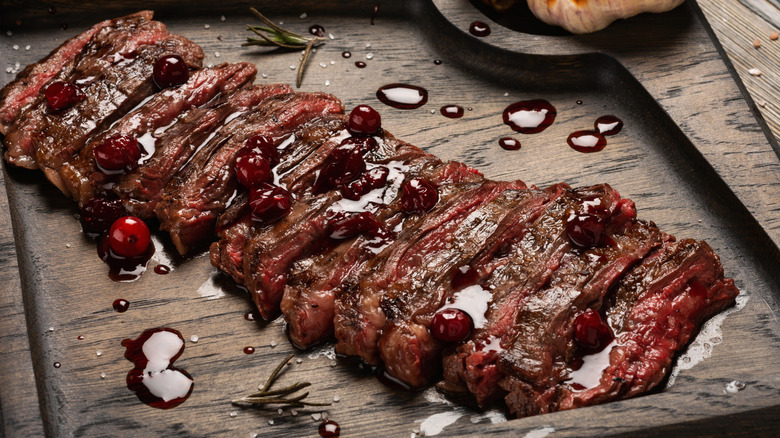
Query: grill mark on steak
(416, 261)
(83, 179)
(235, 225)
(193, 200)
(22, 92)
(110, 90)
(408, 351)
(309, 297)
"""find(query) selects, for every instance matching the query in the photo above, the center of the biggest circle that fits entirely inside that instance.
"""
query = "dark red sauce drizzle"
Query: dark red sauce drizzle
(346, 54)
(373, 14)
(402, 96)
(135, 354)
(329, 429)
(121, 305)
(360, 64)
(530, 116)
(317, 30)
(509, 143)
(249, 350)
(57, 364)
(452, 111)
(162, 269)
(586, 141)
(252, 315)
(479, 29)
(608, 125)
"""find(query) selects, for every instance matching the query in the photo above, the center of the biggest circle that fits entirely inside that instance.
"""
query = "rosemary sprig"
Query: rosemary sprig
(272, 35)
(266, 396)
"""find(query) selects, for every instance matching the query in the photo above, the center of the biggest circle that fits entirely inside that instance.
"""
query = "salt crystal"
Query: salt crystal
(16, 47)
(369, 56)
(316, 417)
(102, 375)
(9, 33)
(98, 353)
(216, 54)
(281, 23)
(280, 411)
(294, 413)
(332, 62)
(304, 15)
(271, 422)
(755, 72)
(506, 94)
(222, 18)
(368, 45)
(333, 363)
(327, 83)
(67, 245)
(292, 67)
(206, 26)
(273, 344)
(324, 415)
(433, 112)
(27, 47)
(299, 360)
(336, 398)
(734, 387)
(194, 338)
(51, 329)
(323, 65)
(330, 35)
(233, 414)
(264, 75)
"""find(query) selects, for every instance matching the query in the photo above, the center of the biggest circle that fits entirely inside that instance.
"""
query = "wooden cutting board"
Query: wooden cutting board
(692, 155)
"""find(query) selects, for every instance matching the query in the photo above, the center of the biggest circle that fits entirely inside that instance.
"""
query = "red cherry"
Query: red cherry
(61, 95)
(343, 165)
(263, 146)
(269, 203)
(128, 236)
(585, 230)
(117, 153)
(418, 196)
(252, 169)
(364, 120)
(170, 70)
(354, 224)
(590, 331)
(451, 325)
(377, 177)
(366, 144)
(98, 214)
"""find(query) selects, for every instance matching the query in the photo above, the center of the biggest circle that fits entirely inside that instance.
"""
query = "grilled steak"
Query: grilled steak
(194, 199)
(148, 124)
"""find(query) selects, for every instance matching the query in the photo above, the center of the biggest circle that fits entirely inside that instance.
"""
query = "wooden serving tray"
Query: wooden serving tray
(694, 156)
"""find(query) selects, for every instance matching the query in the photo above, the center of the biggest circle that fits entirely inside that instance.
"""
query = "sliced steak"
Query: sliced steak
(309, 297)
(655, 311)
(524, 269)
(407, 348)
(114, 72)
(148, 124)
(448, 237)
(22, 92)
(235, 226)
(193, 200)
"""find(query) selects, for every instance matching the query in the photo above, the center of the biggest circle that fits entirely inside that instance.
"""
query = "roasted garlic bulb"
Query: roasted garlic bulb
(583, 16)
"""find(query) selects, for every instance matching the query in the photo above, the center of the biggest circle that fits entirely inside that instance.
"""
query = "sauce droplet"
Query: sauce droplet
(479, 29)
(608, 125)
(346, 54)
(402, 96)
(530, 116)
(437, 61)
(360, 64)
(154, 379)
(57, 364)
(162, 269)
(509, 143)
(373, 16)
(317, 30)
(452, 111)
(252, 315)
(121, 305)
(80, 338)
(249, 350)
(587, 141)
(329, 429)
(579, 102)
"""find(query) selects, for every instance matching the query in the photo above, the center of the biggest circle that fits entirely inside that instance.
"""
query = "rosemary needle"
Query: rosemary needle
(266, 396)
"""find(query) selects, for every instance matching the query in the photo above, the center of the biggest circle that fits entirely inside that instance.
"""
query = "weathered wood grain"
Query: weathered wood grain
(692, 156)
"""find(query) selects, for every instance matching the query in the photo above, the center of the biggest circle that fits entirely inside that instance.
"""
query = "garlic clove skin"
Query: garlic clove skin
(585, 16)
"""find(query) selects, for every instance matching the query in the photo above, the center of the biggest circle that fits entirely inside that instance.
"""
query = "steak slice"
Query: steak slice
(526, 266)
(272, 250)
(235, 226)
(535, 364)
(22, 92)
(193, 200)
(148, 123)
(114, 72)
(656, 309)
(309, 297)
(408, 350)
(448, 237)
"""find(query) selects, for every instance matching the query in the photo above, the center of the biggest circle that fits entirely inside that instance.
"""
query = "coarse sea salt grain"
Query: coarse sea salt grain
(755, 72)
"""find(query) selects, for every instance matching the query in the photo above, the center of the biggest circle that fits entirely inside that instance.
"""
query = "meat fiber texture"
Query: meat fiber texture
(500, 251)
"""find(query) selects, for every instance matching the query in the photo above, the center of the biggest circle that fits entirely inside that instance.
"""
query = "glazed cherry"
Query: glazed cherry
(364, 120)
(418, 196)
(169, 71)
(128, 236)
(590, 331)
(329, 429)
(373, 179)
(118, 152)
(98, 214)
(585, 230)
(451, 325)
(263, 146)
(269, 203)
(343, 165)
(366, 143)
(251, 169)
(377, 177)
(61, 95)
(354, 224)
